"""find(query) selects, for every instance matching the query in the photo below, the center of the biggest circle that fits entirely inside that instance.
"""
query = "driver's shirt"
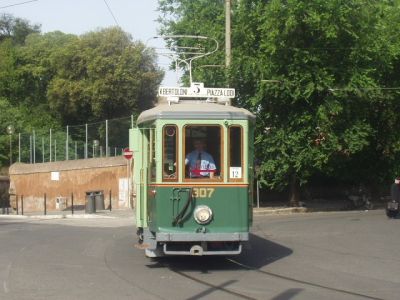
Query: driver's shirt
(199, 161)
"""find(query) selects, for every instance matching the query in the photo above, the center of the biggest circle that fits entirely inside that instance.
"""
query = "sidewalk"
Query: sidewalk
(278, 210)
(266, 208)
(80, 214)
(315, 205)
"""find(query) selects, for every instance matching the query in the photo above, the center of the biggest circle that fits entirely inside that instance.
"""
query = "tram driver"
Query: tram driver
(200, 163)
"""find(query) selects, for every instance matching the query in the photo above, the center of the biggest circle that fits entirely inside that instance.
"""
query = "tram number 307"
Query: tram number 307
(203, 192)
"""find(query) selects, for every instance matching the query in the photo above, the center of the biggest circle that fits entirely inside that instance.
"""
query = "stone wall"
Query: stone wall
(60, 180)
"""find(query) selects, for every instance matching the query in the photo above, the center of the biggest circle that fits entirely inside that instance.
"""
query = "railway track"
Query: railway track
(223, 288)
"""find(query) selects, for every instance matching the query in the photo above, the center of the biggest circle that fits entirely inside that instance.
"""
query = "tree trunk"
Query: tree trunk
(294, 195)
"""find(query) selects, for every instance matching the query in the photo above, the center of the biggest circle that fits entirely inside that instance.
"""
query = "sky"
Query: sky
(137, 17)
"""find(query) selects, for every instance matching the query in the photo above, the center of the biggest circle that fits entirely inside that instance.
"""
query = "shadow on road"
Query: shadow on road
(288, 294)
(257, 254)
(261, 252)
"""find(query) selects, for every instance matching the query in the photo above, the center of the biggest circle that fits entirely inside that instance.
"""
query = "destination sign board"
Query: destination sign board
(196, 91)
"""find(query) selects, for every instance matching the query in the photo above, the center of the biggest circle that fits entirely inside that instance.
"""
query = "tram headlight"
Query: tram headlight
(202, 214)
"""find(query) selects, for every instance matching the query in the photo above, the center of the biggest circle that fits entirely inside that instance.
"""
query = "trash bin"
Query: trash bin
(90, 207)
(99, 200)
(61, 203)
(4, 202)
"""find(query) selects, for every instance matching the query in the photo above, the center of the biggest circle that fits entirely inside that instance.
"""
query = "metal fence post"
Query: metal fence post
(22, 204)
(42, 149)
(16, 204)
(30, 149)
(107, 151)
(72, 203)
(86, 140)
(76, 150)
(66, 145)
(110, 200)
(19, 147)
(51, 150)
(45, 204)
(34, 145)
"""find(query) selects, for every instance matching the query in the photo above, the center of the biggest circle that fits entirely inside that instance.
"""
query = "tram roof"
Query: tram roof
(195, 111)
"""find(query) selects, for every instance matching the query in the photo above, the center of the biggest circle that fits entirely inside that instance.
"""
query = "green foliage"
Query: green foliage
(311, 48)
(313, 73)
(197, 18)
(102, 75)
(15, 29)
(52, 80)
(24, 119)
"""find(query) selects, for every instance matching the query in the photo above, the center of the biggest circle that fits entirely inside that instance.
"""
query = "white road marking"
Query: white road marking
(5, 286)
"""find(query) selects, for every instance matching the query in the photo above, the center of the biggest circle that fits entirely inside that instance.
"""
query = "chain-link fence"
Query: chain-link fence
(101, 139)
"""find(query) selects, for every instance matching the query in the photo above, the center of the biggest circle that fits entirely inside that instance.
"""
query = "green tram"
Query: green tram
(185, 204)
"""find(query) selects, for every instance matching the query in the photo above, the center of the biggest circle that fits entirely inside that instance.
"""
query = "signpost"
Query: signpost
(128, 154)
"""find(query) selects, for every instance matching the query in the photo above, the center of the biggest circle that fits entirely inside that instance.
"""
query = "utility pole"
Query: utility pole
(227, 33)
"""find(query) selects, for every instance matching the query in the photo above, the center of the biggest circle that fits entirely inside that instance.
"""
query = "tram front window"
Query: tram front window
(170, 153)
(202, 152)
(235, 158)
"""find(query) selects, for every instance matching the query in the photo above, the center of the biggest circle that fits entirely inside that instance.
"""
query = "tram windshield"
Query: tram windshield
(202, 151)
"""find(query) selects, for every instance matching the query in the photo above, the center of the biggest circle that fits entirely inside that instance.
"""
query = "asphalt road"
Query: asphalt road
(347, 255)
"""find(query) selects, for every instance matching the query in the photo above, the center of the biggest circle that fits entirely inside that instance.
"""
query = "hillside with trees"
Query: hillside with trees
(50, 80)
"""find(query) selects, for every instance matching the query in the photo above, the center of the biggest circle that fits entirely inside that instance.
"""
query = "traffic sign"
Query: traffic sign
(128, 153)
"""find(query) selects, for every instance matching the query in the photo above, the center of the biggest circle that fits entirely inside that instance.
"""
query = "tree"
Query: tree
(24, 119)
(313, 72)
(16, 29)
(102, 75)
(25, 72)
(312, 48)
(206, 18)
(55, 79)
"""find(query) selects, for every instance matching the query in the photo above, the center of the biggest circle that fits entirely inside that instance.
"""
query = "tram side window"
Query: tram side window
(203, 151)
(170, 153)
(235, 152)
(151, 154)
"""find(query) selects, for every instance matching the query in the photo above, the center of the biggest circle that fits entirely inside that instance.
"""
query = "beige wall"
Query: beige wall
(76, 177)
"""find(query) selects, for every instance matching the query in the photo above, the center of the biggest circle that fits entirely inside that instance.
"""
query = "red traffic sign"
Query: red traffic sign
(128, 153)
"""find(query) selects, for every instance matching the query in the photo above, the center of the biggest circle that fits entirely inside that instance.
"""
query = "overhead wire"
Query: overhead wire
(111, 13)
(20, 3)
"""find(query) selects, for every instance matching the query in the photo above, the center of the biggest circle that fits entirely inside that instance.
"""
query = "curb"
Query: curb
(279, 211)
(50, 217)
